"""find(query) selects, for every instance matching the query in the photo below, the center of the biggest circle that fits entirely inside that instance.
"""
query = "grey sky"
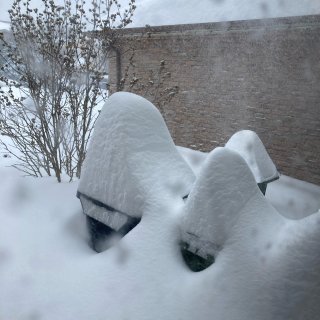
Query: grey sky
(160, 12)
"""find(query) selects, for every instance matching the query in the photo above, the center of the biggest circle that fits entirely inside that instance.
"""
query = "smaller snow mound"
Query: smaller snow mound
(249, 146)
(132, 156)
(224, 185)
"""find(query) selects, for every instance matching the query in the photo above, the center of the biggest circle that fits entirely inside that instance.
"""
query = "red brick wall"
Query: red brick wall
(262, 75)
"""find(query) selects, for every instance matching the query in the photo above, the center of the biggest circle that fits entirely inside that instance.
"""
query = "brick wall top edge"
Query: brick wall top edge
(285, 22)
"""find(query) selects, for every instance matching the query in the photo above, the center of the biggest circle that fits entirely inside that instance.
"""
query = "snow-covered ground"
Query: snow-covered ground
(47, 270)
(268, 267)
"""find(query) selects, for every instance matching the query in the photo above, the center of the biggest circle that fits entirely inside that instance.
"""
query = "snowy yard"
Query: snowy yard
(268, 268)
(266, 254)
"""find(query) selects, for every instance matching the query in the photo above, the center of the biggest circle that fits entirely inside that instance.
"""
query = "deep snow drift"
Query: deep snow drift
(293, 198)
(267, 266)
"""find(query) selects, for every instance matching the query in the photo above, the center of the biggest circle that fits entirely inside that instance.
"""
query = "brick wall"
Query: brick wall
(262, 75)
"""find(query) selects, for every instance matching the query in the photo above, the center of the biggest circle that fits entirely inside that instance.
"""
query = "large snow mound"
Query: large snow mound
(267, 267)
(132, 157)
(249, 146)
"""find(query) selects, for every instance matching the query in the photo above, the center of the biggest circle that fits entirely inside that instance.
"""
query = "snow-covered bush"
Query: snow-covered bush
(59, 56)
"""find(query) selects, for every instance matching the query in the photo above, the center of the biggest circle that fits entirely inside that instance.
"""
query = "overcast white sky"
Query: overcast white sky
(161, 12)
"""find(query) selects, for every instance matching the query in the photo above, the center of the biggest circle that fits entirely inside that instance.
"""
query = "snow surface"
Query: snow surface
(250, 147)
(132, 157)
(262, 255)
(267, 268)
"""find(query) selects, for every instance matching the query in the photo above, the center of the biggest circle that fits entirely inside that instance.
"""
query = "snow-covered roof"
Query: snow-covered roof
(249, 146)
(132, 157)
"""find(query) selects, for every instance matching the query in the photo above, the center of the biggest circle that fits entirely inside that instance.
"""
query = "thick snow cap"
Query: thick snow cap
(132, 156)
(224, 186)
(249, 146)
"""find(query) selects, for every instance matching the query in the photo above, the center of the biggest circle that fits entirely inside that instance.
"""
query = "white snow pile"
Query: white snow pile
(303, 198)
(249, 146)
(132, 157)
(266, 265)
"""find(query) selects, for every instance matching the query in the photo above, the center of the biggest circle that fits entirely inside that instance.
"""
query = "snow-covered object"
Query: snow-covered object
(132, 156)
(194, 158)
(249, 146)
(266, 266)
(267, 269)
(224, 186)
